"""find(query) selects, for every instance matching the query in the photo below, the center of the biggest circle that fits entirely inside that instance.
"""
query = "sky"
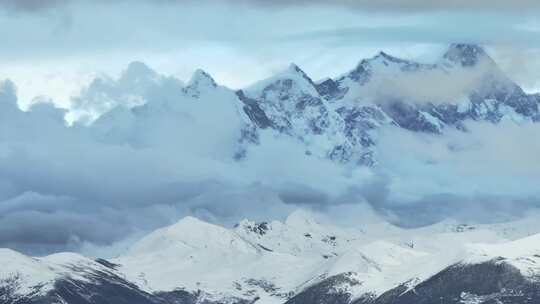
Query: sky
(54, 47)
(83, 189)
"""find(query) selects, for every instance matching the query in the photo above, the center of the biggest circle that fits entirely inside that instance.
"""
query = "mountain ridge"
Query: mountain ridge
(319, 262)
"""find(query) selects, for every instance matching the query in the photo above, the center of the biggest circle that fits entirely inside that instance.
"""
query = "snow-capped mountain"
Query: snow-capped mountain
(300, 260)
(333, 118)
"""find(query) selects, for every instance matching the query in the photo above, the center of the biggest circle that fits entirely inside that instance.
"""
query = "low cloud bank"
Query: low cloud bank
(160, 153)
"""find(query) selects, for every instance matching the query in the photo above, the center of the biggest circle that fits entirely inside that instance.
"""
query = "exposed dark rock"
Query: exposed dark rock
(107, 263)
(490, 282)
(254, 112)
(325, 292)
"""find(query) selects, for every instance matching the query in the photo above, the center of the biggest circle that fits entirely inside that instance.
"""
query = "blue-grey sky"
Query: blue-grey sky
(53, 47)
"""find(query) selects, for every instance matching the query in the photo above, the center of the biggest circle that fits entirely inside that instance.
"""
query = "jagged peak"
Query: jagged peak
(363, 69)
(294, 69)
(465, 54)
(201, 79)
(292, 73)
(250, 226)
(389, 57)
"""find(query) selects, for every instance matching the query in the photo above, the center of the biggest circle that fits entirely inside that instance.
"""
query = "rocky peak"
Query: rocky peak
(258, 228)
(294, 69)
(201, 79)
(385, 56)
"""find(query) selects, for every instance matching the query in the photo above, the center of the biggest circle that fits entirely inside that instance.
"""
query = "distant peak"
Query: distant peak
(260, 228)
(388, 57)
(385, 55)
(465, 54)
(296, 70)
(201, 78)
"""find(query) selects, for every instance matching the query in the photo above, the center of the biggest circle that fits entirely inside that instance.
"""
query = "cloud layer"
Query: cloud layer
(159, 154)
(384, 5)
(165, 149)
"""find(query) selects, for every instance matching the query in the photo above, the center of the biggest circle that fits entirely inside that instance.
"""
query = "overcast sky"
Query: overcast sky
(53, 47)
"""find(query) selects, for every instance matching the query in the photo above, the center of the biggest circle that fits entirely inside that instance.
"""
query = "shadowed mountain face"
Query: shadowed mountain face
(491, 282)
(487, 283)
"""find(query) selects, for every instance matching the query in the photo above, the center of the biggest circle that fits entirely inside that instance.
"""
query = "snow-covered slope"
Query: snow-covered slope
(300, 260)
(64, 278)
(273, 261)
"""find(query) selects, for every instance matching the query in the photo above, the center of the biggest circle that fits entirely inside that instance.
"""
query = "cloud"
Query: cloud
(383, 5)
(411, 5)
(429, 85)
(142, 166)
(486, 174)
(31, 5)
(165, 149)
(58, 45)
(519, 62)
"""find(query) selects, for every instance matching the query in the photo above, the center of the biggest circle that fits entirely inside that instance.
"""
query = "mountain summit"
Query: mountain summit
(466, 55)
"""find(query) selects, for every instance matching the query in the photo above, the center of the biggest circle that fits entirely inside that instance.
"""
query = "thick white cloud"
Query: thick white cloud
(139, 167)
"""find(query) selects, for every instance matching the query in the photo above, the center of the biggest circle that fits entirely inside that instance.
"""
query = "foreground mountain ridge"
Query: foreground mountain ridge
(300, 260)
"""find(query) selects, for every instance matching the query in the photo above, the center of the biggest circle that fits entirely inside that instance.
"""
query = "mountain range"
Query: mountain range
(300, 260)
(332, 118)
